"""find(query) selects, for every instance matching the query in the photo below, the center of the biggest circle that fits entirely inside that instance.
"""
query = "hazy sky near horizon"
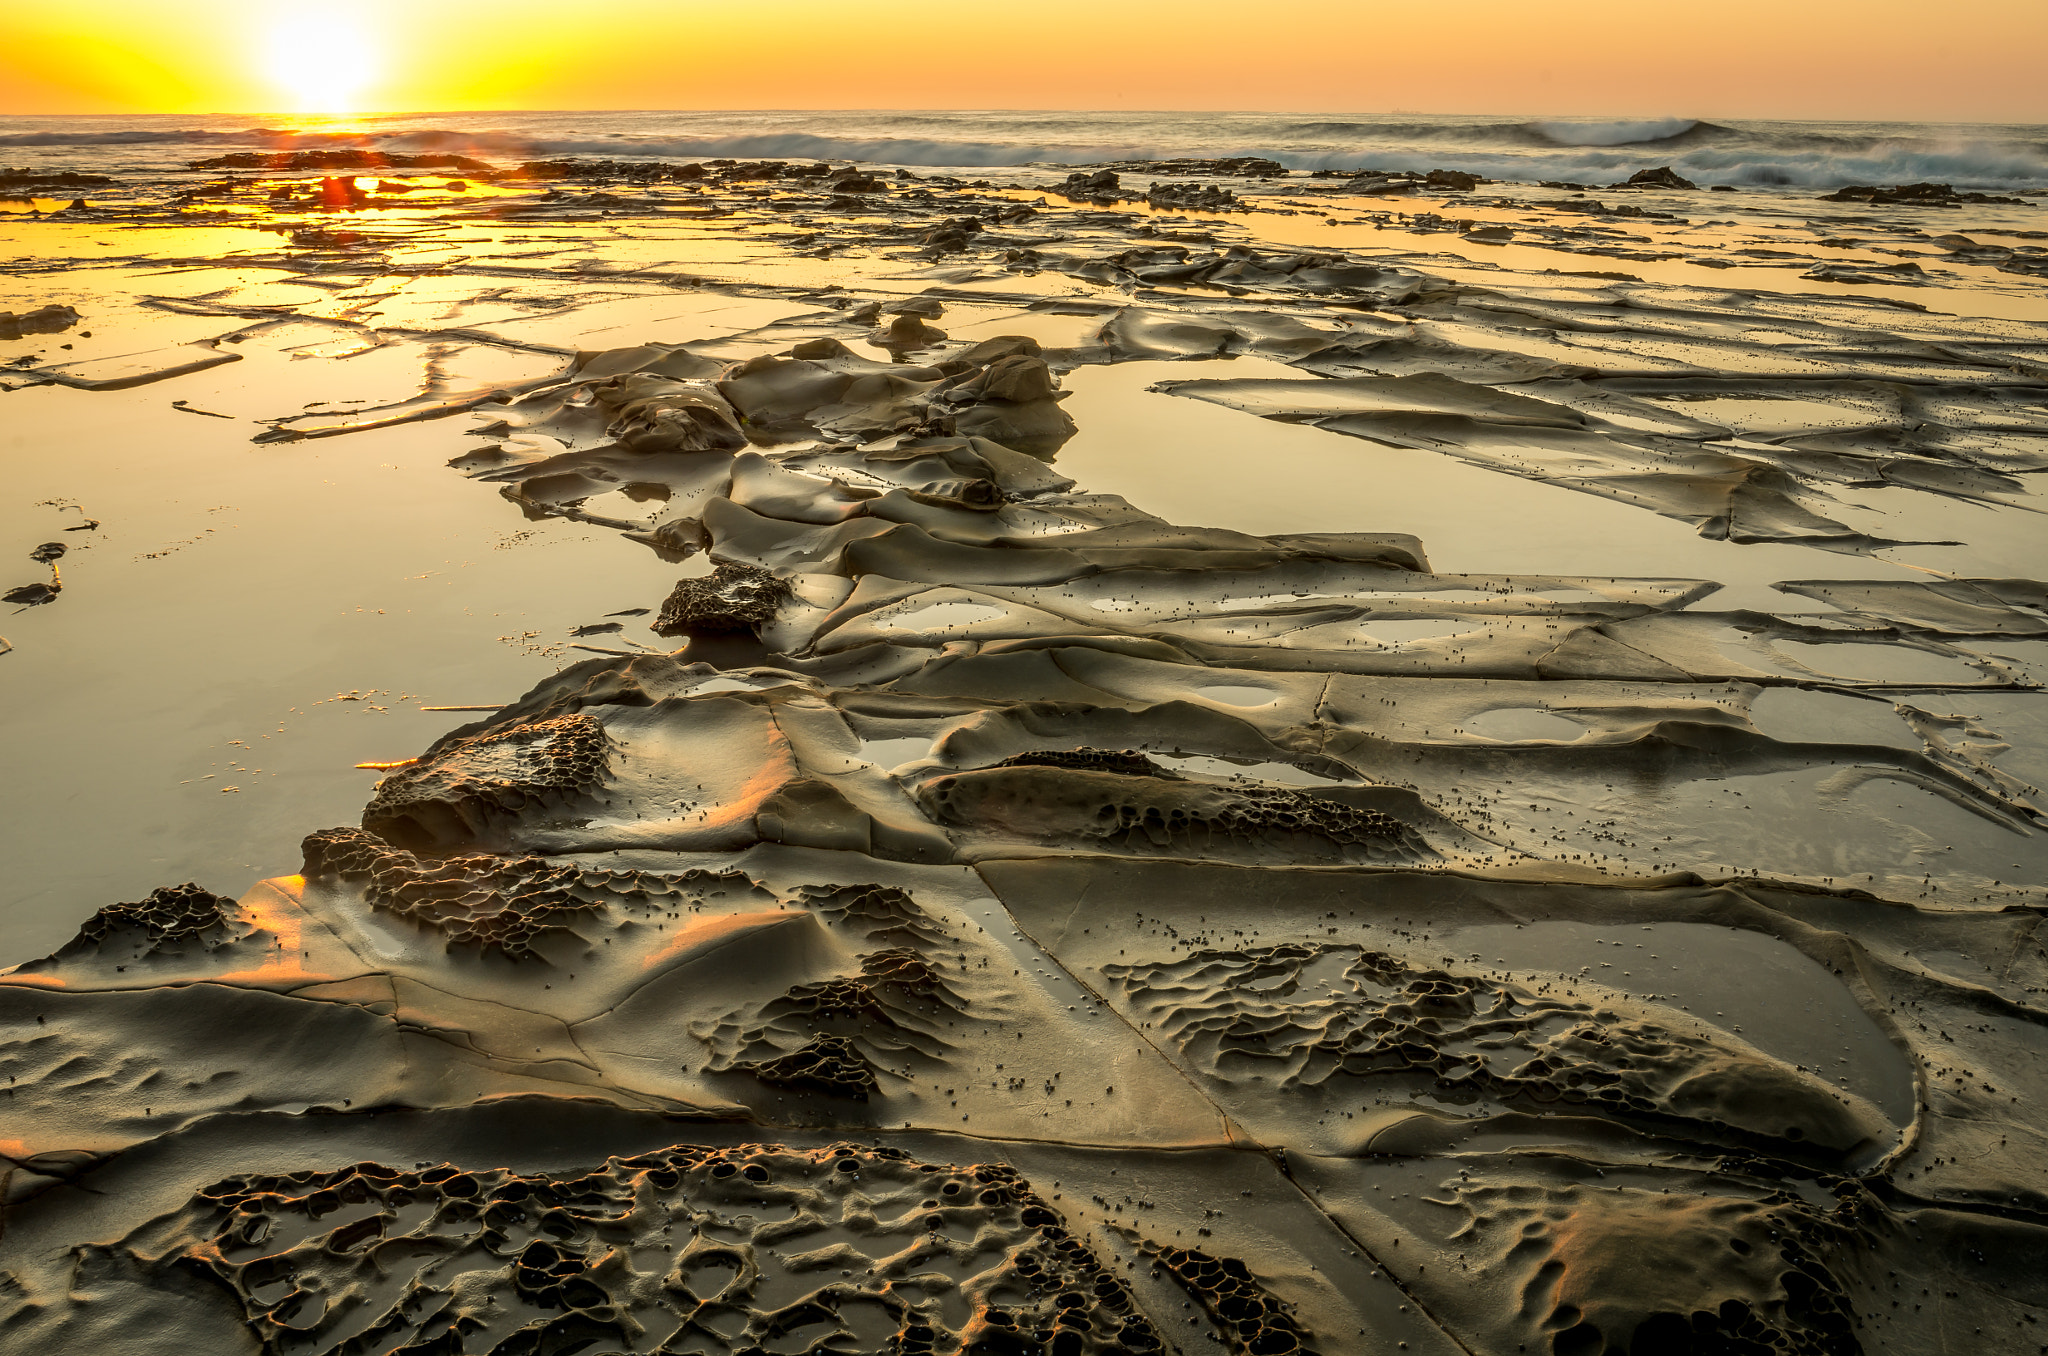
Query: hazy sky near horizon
(1966, 61)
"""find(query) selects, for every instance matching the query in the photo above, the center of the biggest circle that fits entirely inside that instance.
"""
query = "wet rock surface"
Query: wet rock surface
(476, 784)
(733, 598)
(1312, 942)
(1248, 1316)
(1916, 195)
(340, 158)
(1661, 177)
(15, 179)
(881, 1252)
(171, 918)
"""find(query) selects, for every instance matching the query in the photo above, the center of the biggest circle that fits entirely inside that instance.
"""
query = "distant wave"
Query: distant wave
(1578, 151)
(781, 146)
(1704, 152)
(187, 137)
(1630, 132)
(759, 146)
(1638, 133)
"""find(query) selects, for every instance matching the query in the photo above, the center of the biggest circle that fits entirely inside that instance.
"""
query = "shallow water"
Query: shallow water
(246, 625)
(1235, 470)
(1433, 782)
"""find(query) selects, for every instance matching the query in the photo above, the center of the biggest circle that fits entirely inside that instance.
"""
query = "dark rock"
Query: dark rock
(1239, 166)
(1831, 271)
(1192, 197)
(470, 786)
(1917, 195)
(1020, 377)
(1125, 763)
(33, 595)
(1661, 177)
(508, 904)
(342, 194)
(951, 236)
(851, 180)
(548, 1279)
(651, 413)
(829, 1064)
(50, 319)
(1379, 186)
(924, 308)
(169, 918)
(27, 180)
(732, 598)
(908, 332)
(340, 159)
(1256, 1319)
(637, 171)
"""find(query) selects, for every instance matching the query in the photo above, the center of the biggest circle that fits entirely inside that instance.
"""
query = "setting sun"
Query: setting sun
(634, 556)
(320, 58)
(251, 56)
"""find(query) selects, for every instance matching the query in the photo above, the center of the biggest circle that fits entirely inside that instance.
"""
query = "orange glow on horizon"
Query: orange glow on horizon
(1826, 59)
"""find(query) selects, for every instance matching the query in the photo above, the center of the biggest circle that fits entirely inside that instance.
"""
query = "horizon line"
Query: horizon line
(997, 112)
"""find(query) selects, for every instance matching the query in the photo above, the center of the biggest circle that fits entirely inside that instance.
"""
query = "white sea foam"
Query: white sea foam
(1588, 151)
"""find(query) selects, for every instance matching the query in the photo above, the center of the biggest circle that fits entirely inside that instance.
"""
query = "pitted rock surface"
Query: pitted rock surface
(476, 784)
(692, 1248)
(733, 598)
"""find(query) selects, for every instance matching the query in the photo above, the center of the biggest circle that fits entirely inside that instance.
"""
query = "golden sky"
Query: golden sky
(1965, 60)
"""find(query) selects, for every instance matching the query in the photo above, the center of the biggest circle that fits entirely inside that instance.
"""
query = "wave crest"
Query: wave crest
(1818, 156)
(1638, 132)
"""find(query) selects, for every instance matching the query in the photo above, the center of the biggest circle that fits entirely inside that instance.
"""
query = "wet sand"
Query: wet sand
(987, 767)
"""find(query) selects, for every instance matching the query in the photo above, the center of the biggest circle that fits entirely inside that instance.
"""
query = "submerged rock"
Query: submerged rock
(341, 158)
(45, 181)
(1379, 186)
(51, 319)
(1918, 195)
(33, 595)
(638, 171)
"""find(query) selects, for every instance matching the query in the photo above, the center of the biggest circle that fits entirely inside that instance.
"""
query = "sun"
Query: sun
(319, 56)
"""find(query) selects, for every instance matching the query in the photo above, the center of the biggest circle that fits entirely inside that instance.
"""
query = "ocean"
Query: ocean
(1817, 155)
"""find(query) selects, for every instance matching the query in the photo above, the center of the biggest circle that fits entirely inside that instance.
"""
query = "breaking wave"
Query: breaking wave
(1621, 133)
(186, 136)
(1797, 155)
